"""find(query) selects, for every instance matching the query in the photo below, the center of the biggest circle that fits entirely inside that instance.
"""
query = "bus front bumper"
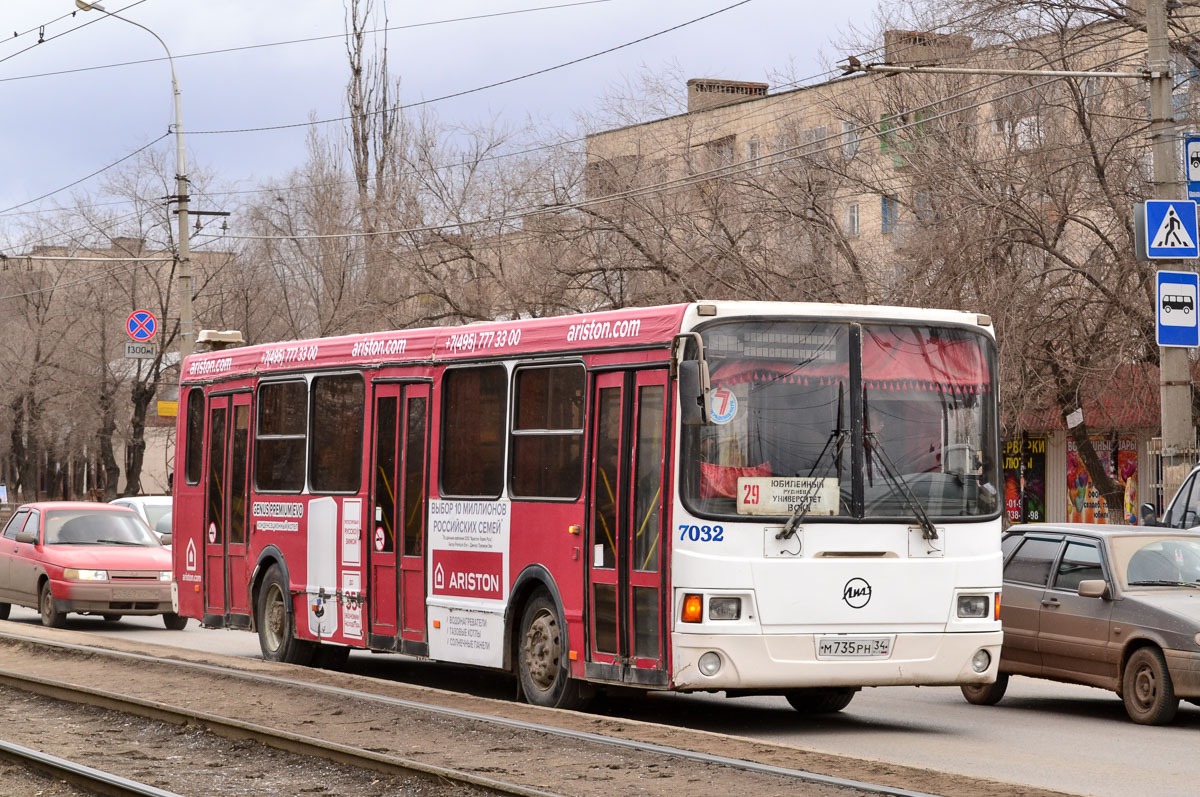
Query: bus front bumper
(788, 661)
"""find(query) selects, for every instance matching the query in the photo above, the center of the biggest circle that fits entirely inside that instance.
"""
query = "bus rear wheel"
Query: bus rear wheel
(276, 622)
(820, 701)
(542, 663)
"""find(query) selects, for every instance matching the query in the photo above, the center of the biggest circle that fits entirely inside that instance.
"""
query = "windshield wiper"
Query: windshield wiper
(929, 531)
(117, 542)
(837, 437)
(1163, 583)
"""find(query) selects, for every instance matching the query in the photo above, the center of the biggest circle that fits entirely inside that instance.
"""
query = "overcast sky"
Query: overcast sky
(58, 128)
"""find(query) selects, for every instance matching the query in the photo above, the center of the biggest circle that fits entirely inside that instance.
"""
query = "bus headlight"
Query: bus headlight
(973, 606)
(981, 660)
(710, 663)
(724, 608)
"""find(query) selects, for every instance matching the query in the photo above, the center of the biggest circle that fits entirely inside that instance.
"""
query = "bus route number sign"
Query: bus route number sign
(781, 495)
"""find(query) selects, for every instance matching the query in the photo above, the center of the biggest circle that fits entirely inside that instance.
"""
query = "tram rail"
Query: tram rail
(347, 754)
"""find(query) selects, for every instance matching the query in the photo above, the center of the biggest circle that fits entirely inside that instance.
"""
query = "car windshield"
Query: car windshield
(1159, 560)
(155, 513)
(98, 527)
(784, 399)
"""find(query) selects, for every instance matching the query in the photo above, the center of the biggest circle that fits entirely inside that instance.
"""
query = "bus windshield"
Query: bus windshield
(785, 394)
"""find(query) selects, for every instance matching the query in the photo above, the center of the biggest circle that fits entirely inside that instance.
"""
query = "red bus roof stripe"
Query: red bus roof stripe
(629, 327)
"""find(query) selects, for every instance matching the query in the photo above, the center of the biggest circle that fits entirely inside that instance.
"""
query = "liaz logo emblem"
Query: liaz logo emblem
(439, 577)
(191, 556)
(856, 593)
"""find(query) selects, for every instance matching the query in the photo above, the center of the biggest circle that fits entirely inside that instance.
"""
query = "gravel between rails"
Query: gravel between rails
(536, 760)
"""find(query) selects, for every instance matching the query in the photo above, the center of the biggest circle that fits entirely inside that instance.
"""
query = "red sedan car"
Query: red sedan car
(61, 557)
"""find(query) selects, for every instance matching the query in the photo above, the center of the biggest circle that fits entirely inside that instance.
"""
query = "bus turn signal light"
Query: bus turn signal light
(693, 608)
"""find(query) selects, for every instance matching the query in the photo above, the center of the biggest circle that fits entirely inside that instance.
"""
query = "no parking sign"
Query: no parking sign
(141, 325)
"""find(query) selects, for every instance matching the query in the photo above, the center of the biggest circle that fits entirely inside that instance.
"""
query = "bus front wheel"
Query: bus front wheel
(820, 701)
(542, 661)
(277, 622)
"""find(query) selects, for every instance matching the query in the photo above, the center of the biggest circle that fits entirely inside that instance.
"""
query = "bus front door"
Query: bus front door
(626, 578)
(226, 599)
(398, 492)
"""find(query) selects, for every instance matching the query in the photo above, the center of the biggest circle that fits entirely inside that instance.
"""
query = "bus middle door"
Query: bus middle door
(397, 553)
(625, 565)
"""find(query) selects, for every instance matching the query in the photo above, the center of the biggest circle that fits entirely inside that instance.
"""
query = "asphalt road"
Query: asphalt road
(1057, 736)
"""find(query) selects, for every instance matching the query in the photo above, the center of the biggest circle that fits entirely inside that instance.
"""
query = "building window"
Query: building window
(889, 213)
(335, 450)
(547, 432)
(849, 140)
(850, 224)
(282, 434)
(473, 406)
(753, 152)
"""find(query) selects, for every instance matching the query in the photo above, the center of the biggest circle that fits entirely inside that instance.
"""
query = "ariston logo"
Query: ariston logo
(856, 593)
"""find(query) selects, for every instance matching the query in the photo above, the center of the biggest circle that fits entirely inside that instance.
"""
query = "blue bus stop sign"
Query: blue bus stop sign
(1175, 299)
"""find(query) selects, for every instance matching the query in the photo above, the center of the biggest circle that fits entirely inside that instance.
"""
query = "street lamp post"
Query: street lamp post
(186, 330)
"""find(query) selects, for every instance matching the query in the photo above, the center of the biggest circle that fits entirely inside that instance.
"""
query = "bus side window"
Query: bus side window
(547, 433)
(194, 451)
(335, 444)
(281, 436)
(474, 401)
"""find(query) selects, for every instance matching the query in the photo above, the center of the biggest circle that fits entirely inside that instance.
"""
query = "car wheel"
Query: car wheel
(986, 694)
(5, 608)
(542, 661)
(276, 622)
(51, 616)
(174, 622)
(1147, 689)
(820, 701)
(112, 618)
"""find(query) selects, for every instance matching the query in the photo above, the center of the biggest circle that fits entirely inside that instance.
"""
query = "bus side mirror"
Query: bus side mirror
(693, 392)
(1149, 516)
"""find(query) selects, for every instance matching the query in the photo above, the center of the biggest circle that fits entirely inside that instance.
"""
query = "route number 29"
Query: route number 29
(701, 533)
(751, 496)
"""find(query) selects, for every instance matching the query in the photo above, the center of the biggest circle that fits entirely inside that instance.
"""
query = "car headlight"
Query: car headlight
(973, 606)
(73, 574)
(164, 575)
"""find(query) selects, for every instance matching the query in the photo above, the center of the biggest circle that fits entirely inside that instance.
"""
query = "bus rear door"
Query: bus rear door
(626, 494)
(226, 599)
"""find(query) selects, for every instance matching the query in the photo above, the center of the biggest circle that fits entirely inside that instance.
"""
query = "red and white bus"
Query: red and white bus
(753, 497)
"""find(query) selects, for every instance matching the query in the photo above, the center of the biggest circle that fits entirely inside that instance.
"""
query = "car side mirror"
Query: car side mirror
(165, 539)
(1149, 515)
(28, 537)
(1093, 588)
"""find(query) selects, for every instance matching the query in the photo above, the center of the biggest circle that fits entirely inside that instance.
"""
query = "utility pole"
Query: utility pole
(1175, 383)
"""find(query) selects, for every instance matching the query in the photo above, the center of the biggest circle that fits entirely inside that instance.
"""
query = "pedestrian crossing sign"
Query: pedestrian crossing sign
(1171, 229)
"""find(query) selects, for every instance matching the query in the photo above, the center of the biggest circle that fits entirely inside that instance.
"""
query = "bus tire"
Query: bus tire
(5, 608)
(51, 616)
(1147, 690)
(174, 622)
(276, 622)
(829, 700)
(986, 694)
(541, 659)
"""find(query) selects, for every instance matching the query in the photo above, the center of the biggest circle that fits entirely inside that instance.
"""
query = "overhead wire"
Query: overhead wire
(43, 40)
(307, 40)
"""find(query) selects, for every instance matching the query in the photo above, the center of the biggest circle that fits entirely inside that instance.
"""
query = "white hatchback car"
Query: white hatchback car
(154, 509)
